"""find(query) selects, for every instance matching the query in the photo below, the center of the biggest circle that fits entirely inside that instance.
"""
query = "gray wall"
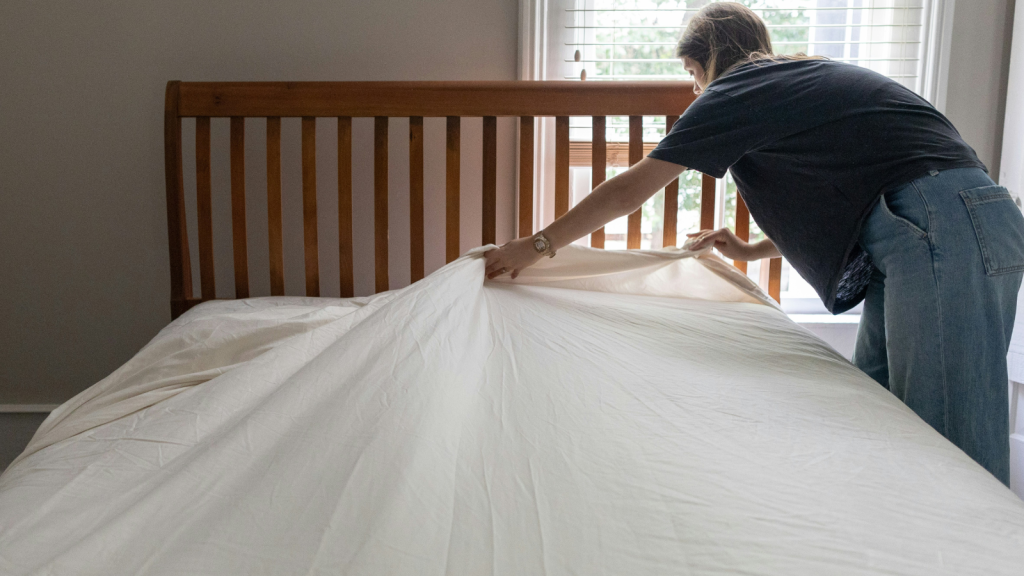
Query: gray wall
(15, 432)
(979, 64)
(83, 241)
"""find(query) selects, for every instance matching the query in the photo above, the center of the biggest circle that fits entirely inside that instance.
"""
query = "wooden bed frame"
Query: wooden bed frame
(415, 100)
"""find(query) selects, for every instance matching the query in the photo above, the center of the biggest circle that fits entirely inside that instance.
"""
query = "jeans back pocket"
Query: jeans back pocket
(999, 226)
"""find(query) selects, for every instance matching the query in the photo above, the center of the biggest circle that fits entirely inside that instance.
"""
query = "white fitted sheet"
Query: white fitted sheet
(606, 413)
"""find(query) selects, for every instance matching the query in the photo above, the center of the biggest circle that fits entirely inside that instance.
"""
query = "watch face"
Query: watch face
(538, 245)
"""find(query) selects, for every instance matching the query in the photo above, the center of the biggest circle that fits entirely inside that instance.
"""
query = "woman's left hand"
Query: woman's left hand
(725, 241)
(512, 257)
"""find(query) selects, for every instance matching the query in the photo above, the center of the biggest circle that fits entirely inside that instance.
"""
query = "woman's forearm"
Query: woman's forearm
(616, 197)
(764, 249)
(601, 206)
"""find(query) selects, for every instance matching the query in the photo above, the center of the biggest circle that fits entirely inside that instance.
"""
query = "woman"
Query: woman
(869, 192)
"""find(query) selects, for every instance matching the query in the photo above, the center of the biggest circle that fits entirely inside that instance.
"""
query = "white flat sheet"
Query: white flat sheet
(606, 413)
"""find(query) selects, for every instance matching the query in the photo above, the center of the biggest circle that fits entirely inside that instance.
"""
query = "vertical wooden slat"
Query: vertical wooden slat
(238, 207)
(561, 165)
(204, 209)
(309, 235)
(668, 237)
(771, 277)
(636, 153)
(775, 279)
(177, 237)
(345, 207)
(598, 168)
(490, 180)
(452, 166)
(380, 203)
(742, 228)
(525, 176)
(275, 234)
(416, 197)
(707, 202)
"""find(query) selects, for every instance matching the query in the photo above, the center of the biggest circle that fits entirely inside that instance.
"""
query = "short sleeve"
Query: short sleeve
(714, 132)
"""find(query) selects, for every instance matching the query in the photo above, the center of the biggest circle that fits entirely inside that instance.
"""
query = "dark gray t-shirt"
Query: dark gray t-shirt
(812, 144)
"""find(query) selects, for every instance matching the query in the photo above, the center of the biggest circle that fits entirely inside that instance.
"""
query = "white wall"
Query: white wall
(1011, 175)
(978, 65)
(84, 271)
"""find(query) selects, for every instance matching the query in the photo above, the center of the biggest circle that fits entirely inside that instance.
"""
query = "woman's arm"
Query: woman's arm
(616, 197)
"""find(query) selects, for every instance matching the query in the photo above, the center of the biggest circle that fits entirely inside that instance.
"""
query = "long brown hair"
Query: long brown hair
(724, 34)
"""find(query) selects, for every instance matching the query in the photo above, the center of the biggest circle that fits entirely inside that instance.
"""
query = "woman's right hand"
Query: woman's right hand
(726, 242)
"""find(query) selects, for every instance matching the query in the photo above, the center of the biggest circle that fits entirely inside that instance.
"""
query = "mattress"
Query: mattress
(641, 412)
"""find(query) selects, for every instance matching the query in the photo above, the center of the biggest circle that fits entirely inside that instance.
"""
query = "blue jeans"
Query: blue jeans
(948, 251)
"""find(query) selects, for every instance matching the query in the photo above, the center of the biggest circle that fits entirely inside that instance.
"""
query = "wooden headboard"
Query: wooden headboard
(415, 100)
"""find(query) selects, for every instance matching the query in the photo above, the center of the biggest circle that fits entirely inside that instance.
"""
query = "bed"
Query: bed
(608, 412)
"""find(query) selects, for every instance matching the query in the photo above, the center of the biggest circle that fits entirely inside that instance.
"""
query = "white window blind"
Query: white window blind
(635, 39)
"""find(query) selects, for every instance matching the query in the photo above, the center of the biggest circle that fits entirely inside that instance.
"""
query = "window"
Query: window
(635, 39)
(609, 40)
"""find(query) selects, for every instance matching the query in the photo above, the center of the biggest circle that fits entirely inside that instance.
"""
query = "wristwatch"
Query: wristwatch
(542, 245)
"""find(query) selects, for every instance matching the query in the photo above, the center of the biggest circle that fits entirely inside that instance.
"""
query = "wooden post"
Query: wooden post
(309, 227)
(599, 167)
(177, 236)
(239, 239)
(636, 153)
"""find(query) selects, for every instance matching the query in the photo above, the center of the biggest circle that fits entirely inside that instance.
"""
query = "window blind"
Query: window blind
(635, 39)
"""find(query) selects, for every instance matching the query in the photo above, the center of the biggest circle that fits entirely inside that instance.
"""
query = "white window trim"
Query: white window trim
(1011, 168)
(541, 23)
(938, 30)
(532, 42)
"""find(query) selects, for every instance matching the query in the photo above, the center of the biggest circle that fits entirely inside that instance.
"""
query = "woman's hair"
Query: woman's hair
(724, 34)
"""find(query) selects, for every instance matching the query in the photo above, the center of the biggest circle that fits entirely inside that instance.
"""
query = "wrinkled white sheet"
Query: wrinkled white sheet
(605, 413)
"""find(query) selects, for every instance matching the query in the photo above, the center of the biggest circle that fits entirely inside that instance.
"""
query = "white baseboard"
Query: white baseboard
(27, 408)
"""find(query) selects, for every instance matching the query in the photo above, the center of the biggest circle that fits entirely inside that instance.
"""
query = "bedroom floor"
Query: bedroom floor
(15, 432)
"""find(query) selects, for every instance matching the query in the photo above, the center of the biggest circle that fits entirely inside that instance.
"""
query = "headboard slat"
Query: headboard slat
(525, 176)
(489, 187)
(598, 168)
(380, 203)
(771, 277)
(668, 237)
(416, 237)
(636, 153)
(345, 259)
(561, 165)
(238, 207)
(177, 234)
(452, 168)
(275, 234)
(309, 231)
(204, 209)
(707, 202)
(742, 228)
